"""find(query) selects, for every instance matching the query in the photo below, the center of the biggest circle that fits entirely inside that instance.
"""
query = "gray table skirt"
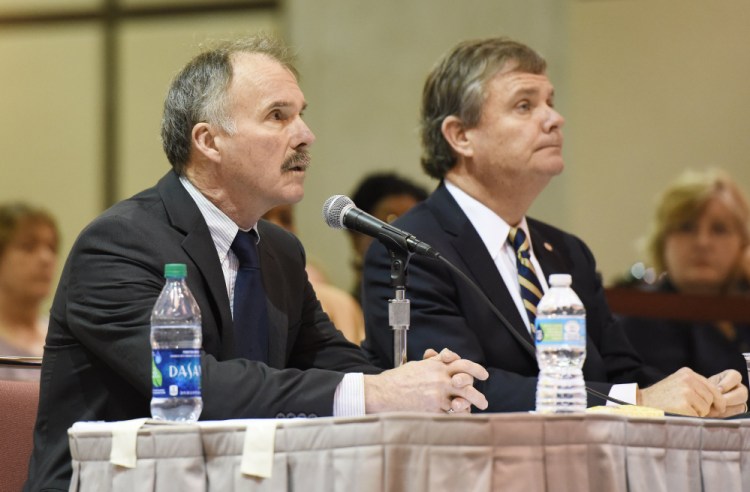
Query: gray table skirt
(425, 453)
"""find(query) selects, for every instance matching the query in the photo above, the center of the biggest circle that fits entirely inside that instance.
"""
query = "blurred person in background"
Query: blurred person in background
(340, 306)
(697, 244)
(745, 269)
(386, 196)
(28, 259)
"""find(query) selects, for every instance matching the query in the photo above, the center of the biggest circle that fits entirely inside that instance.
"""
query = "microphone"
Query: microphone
(340, 212)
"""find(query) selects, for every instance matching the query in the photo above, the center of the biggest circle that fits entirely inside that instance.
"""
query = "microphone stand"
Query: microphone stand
(398, 308)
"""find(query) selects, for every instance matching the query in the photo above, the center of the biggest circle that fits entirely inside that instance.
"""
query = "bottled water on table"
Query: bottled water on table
(176, 339)
(560, 349)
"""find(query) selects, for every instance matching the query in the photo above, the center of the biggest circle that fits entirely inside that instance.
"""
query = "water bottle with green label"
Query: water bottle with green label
(560, 349)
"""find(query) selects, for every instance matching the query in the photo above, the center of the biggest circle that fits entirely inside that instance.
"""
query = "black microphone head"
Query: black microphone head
(334, 209)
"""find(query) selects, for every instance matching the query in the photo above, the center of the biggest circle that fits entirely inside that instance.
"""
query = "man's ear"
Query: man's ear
(454, 132)
(204, 141)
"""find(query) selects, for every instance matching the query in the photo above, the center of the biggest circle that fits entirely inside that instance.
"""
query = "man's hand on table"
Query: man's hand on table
(440, 383)
(687, 393)
(733, 392)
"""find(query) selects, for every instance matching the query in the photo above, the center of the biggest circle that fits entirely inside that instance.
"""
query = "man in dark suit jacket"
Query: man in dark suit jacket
(445, 308)
(491, 134)
(234, 135)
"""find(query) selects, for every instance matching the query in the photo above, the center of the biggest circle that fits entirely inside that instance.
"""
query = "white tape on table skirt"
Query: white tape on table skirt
(124, 440)
(258, 449)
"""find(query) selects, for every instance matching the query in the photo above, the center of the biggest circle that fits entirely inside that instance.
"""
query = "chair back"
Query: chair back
(18, 408)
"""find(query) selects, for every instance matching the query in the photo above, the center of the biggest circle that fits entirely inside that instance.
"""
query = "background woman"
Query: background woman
(28, 259)
(697, 243)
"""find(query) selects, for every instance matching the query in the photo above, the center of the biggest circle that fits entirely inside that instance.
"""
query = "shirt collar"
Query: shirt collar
(223, 229)
(492, 229)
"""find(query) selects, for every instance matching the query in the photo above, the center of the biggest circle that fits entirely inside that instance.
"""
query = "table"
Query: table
(425, 453)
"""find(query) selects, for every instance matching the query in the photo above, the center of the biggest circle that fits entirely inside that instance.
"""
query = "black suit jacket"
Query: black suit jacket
(445, 312)
(97, 363)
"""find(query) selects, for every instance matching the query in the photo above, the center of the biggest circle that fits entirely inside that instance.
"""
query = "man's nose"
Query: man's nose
(554, 120)
(304, 137)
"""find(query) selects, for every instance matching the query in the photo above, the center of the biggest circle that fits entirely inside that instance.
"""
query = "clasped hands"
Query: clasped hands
(687, 393)
(440, 382)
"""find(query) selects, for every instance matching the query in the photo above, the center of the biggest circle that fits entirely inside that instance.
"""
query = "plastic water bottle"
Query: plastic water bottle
(176, 339)
(560, 349)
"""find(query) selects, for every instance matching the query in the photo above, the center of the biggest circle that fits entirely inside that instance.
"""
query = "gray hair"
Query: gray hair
(456, 86)
(199, 93)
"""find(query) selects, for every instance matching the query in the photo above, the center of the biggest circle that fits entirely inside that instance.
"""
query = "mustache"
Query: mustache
(300, 159)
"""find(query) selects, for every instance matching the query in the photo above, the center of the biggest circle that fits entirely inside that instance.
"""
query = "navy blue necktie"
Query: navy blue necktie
(250, 313)
(531, 290)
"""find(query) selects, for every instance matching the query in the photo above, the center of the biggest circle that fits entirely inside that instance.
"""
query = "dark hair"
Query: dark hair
(375, 187)
(13, 216)
(456, 86)
(199, 93)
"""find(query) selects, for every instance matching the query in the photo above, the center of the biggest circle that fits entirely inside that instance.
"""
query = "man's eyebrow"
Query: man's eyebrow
(284, 104)
(531, 91)
(526, 91)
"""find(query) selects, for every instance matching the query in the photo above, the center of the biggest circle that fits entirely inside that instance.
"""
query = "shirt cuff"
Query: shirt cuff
(349, 399)
(624, 392)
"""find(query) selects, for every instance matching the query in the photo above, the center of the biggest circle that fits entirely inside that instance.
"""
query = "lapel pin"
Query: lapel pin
(548, 246)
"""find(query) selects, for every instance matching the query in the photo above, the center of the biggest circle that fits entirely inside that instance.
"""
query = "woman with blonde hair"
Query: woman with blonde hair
(698, 243)
(28, 259)
(700, 233)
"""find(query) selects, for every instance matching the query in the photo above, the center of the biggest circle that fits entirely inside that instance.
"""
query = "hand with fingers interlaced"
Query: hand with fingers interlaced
(441, 382)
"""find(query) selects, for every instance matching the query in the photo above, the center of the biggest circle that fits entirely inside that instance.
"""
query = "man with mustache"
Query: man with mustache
(492, 136)
(233, 132)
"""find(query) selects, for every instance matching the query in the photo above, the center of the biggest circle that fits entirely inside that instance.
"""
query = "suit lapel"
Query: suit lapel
(547, 251)
(277, 317)
(186, 217)
(469, 247)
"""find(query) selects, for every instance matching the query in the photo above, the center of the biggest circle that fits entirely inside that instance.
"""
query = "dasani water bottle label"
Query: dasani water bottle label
(176, 372)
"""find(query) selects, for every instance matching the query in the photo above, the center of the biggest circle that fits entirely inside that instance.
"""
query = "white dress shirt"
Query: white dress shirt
(349, 399)
(493, 231)
(494, 234)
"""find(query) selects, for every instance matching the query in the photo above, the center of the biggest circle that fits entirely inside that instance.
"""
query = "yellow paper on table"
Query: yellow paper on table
(628, 411)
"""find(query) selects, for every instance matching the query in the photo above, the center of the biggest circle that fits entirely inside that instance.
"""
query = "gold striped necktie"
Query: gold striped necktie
(531, 289)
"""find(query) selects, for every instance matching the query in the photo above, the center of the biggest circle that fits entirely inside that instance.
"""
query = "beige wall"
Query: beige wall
(654, 87)
(649, 87)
